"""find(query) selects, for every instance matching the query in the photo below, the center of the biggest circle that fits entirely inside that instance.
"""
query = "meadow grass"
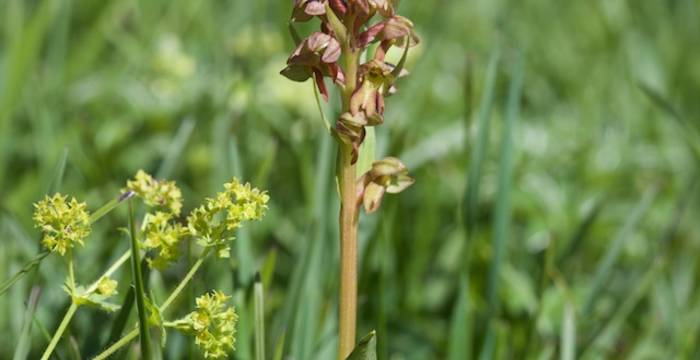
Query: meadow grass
(554, 147)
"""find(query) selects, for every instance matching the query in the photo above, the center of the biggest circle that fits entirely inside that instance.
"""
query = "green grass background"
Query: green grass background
(554, 145)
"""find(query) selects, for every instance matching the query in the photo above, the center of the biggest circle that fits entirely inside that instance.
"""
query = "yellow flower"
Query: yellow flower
(162, 236)
(107, 286)
(212, 323)
(64, 223)
(226, 211)
(156, 192)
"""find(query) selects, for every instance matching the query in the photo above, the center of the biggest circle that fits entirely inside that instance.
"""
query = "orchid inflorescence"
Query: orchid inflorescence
(346, 28)
(65, 224)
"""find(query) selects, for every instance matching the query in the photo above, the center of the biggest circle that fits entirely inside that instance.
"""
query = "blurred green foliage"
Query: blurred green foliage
(597, 227)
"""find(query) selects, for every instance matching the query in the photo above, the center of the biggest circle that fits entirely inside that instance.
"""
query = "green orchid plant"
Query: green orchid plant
(351, 30)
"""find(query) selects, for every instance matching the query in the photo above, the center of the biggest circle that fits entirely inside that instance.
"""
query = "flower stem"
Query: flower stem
(347, 176)
(118, 345)
(184, 282)
(348, 255)
(59, 332)
(117, 264)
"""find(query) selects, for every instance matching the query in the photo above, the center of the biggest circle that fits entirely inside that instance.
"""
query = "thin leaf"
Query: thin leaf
(25, 337)
(605, 266)
(174, 153)
(122, 317)
(502, 217)
(25, 269)
(279, 348)
(259, 319)
(366, 349)
(568, 333)
(57, 180)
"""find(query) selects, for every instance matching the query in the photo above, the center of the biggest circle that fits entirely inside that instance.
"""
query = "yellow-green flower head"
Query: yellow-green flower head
(226, 211)
(107, 286)
(213, 324)
(162, 236)
(64, 223)
(156, 192)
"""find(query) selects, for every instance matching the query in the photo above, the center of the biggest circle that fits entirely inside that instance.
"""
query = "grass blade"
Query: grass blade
(502, 217)
(57, 180)
(120, 321)
(568, 333)
(606, 264)
(23, 53)
(177, 146)
(29, 266)
(605, 338)
(139, 290)
(259, 319)
(460, 346)
(25, 337)
(478, 153)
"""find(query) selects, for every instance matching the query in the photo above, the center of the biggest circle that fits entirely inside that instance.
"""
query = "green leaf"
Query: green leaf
(366, 349)
(98, 301)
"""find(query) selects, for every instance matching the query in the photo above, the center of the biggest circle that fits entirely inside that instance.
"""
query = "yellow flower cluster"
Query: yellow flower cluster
(213, 324)
(64, 223)
(225, 212)
(156, 192)
(107, 286)
(163, 237)
(161, 232)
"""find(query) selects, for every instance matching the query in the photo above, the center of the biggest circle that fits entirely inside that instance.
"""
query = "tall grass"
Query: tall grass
(596, 259)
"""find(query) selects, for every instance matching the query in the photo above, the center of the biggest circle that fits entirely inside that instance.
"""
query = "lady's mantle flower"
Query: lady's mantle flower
(212, 323)
(156, 192)
(64, 223)
(107, 286)
(162, 236)
(225, 212)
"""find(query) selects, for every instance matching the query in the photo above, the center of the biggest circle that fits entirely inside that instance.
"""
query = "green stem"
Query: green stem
(59, 332)
(112, 269)
(118, 345)
(184, 282)
(71, 272)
